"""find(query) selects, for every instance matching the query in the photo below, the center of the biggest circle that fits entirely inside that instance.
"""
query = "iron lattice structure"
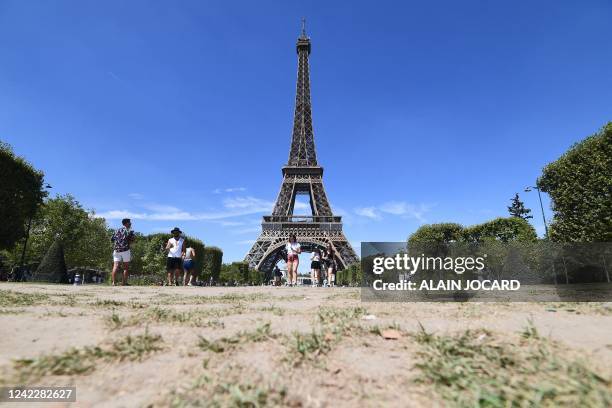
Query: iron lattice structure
(301, 175)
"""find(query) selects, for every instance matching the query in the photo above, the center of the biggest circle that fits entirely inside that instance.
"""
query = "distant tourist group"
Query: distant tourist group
(322, 265)
(181, 258)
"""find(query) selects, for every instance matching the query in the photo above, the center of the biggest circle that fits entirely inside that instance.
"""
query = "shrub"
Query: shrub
(20, 196)
(211, 263)
(580, 186)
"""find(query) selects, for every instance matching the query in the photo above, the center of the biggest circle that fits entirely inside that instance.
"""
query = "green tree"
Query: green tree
(580, 187)
(501, 229)
(442, 233)
(255, 277)
(213, 259)
(85, 238)
(517, 208)
(236, 272)
(21, 193)
(153, 254)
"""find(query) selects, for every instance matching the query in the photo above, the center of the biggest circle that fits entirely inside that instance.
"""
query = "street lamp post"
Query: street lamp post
(528, 189)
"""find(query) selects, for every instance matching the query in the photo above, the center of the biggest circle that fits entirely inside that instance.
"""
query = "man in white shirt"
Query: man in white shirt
(176, 251)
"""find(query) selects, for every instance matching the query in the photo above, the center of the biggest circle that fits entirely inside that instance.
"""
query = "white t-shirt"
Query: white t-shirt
(189, 253)
(292, 249)
(176, 250)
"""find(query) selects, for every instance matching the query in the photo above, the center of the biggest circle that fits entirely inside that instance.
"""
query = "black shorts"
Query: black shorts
(174, 263)
(315, 265)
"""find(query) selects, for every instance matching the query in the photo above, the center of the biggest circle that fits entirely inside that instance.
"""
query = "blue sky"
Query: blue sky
(180, 113)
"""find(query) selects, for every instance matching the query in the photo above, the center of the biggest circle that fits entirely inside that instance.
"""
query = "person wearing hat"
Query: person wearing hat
(176, 252)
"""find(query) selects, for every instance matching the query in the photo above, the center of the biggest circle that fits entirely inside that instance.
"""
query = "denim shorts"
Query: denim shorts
(188, 264)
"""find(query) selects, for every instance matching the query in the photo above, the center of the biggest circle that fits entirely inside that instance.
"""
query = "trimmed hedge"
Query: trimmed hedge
(235, 273)
(351, 276)
(213, 258)
(149, 257)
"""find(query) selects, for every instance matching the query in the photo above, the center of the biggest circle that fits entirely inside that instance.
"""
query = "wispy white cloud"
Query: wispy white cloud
(161, 216)
(229, 190)
(231, 223)
(160, 208)
(249, 203)
(406, 210)
(369, 212)
(396, 208)
(246, 242)
(232, 207)
(136, 196)
(247, 230)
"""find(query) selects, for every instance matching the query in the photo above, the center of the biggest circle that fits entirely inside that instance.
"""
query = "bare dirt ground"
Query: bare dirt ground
(302, 347)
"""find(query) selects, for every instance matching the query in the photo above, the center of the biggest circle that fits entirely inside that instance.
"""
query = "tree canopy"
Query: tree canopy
(580, 187)
(517, 208)
(85, 238)
(499, 229)
(439, 233)
(21, 193)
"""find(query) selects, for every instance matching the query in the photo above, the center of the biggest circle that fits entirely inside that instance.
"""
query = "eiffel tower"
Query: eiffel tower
(301, 175)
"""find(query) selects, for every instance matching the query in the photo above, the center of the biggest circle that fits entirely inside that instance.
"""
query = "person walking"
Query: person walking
(330, 263)
(122, 238)
(293, 251)
(176, 251)
(315, 267)
(189, 266)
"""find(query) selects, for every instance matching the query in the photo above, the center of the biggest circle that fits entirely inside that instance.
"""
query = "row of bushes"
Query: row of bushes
(238, 273)
(351, 276)
(499, 229)
(149, 257)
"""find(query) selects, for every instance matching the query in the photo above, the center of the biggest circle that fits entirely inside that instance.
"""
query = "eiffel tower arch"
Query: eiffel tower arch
(301, 176)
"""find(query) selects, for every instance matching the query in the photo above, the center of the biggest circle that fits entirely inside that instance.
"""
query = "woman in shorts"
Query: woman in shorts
(293, 260)
(315, 267)
(189, 266)
(330, 263)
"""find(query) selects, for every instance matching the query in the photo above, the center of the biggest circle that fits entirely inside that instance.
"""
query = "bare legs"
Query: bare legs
(289, 272)
(314, 274)
(295, 271)
(191, 274)
(330, 276)
(177, 277)
(114, 272)
(126, 266)
(292, 268)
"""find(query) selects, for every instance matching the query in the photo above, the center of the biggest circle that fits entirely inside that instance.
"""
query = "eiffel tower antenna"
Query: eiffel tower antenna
(302, 175)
